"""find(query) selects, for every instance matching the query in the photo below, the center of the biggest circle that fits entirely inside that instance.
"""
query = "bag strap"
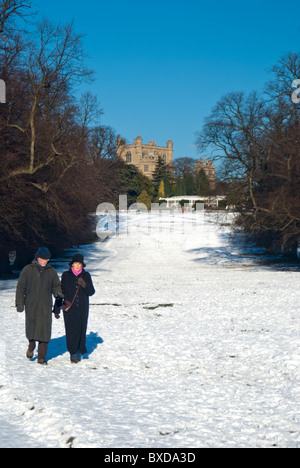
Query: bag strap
(74, 298)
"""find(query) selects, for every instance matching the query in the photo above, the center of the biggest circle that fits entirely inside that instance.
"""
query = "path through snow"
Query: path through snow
(191, 344)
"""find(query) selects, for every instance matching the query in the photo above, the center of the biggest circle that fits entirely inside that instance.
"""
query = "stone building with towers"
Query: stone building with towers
(209, 169)
(145, 156)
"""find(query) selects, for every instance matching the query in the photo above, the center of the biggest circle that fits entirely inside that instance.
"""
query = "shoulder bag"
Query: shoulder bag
(67, 304)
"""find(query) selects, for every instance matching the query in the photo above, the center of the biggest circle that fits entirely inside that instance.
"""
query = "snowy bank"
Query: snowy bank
(191, 344)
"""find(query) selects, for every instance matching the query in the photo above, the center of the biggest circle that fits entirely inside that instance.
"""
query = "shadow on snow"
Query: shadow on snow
(58, 347)
(239, 251)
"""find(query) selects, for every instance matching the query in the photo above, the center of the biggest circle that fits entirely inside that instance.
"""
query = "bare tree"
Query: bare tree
(57, 162)
(10, 11)
(258, 140)
(103, 144)
(184, 167)
(233, 133)
(51, 66)
(285, 72)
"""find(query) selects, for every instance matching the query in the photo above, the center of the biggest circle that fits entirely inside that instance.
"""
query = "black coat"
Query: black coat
(76, 318)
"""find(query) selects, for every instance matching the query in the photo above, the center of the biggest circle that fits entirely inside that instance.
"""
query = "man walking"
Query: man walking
(36, 285)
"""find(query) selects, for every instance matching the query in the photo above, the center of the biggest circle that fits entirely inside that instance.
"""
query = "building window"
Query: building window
(164, 158)
(128, 157)
(146, 168)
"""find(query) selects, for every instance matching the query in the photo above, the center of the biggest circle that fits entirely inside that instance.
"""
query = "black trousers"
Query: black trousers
(42, 349)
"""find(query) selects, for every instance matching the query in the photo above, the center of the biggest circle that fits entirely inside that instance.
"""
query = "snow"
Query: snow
(192, 343)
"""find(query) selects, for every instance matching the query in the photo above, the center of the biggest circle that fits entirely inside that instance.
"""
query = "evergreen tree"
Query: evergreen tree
(161, 173)
(134, 182)
(202, 184)
(189, 185)
(168, 187)
(161, 190)
(180, 187)
(145, 198)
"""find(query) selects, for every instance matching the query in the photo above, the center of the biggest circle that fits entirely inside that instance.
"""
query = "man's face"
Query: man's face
(42, 262)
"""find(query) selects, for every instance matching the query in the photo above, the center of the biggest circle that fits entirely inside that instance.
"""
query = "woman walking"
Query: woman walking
(77, 287)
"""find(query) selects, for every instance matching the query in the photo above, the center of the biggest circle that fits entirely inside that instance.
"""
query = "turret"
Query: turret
(139, 140)
(170, 144)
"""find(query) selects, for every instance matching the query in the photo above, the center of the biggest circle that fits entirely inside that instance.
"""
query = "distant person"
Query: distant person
(36, 285)
(77, 287)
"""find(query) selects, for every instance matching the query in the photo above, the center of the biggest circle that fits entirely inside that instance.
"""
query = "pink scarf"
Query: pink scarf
(77, 273)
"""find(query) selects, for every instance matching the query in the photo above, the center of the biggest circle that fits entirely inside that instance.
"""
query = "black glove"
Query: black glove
(56, 309)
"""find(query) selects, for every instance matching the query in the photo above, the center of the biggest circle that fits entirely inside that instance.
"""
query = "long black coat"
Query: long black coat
(34, 292)
(76, 318)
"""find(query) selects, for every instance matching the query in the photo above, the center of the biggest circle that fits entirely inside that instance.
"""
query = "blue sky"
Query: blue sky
(161, 65)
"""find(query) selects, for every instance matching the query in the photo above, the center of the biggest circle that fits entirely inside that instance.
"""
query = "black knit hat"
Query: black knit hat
(43, 253)
(77, 258)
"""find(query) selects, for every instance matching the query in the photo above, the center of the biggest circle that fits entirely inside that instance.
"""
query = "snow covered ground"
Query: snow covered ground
(191, 344)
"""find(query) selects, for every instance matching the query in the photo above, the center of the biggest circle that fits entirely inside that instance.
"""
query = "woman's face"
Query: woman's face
(77, 266)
